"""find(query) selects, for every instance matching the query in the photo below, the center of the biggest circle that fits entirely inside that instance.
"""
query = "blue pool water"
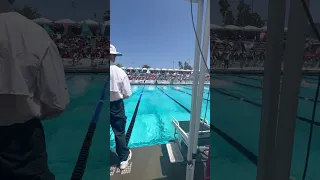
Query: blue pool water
(153, 121)
(241, 121)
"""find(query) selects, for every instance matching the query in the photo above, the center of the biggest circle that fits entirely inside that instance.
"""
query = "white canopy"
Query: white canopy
(65, 21)
(138, 68)
(215, 27)
(144, 68)
(151, 69)
(251, 28)
(89, 22)
(42, 20)
(164, 69)
(157, 69)
(130, 67)
(233, 27)
(170, 69)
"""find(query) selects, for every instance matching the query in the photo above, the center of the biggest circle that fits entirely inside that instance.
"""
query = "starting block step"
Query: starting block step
(174, 153)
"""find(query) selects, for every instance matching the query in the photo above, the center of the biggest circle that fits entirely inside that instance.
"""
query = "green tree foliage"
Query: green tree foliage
(106, 15)
(180, 65)
(244, 17)
(28, 12)
(119, 65)
(146, 66)
(187, 66)
(224, 10)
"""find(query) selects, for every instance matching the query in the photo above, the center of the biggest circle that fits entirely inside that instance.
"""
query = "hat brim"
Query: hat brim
(117, 54)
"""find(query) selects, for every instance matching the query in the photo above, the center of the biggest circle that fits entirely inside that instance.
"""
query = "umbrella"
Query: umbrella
(47, 28)
(251, 28)
(42, 21)
(86, 30)
(215, 27)
(89, 22)
(65, 21)
(233, 27)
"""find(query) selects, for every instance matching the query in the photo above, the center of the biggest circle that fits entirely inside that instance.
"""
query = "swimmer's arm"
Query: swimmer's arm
(51, 83)
(126, 88)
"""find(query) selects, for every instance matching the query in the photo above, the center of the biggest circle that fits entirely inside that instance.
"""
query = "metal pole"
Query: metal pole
(293, 61)
(270, 92)
(203, 70)
(193, 117)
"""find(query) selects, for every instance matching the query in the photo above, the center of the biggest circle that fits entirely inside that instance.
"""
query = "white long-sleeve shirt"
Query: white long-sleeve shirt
(32, 79)
(119, 84)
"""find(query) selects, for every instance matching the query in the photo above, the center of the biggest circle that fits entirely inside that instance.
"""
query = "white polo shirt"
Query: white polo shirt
(32, 79)
(119, 84)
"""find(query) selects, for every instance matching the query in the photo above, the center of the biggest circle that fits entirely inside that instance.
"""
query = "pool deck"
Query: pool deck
(152, 163)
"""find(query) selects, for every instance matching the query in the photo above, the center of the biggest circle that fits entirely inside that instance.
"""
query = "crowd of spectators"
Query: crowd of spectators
(76, 47)
(247, 49)
(169, 76)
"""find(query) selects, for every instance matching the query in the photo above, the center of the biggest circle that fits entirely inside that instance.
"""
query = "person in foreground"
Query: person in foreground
(119, 90)
(32, 88)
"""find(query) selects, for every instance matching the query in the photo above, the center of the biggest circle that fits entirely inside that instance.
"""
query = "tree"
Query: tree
(180, 65)
(224, 10)
(106, 15)
(229, 19)
(28, 12)
(119, 65)
(187, 66)
(146, 66)
(245, 17)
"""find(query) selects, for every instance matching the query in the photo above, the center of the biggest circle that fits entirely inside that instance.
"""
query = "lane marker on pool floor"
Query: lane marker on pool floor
(188, 93)
(133, 119)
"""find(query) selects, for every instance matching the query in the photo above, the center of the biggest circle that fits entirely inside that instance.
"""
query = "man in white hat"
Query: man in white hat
(32, 88)
(119, 90)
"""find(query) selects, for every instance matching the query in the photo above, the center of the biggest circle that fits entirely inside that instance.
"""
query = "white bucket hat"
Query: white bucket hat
(113, 50)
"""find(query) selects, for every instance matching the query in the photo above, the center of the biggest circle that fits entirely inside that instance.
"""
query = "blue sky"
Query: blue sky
(156, 33)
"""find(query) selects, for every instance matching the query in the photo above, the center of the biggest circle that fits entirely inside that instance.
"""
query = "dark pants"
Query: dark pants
(23, 154)
(118, 120)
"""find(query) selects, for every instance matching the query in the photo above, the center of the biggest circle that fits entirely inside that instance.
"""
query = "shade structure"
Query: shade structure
(215, 27)
(252, 28)
(233, 27)
(48, 29)
(65, 21)
(42, 20)
(90, 22)
(86, 30)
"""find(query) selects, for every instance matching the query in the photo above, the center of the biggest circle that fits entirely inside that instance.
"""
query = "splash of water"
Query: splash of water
(134, 89)
(151, 88)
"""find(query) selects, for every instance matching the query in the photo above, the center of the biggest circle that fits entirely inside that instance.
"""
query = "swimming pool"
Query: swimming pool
(240, 119)
(65, 134)
(153, 121)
